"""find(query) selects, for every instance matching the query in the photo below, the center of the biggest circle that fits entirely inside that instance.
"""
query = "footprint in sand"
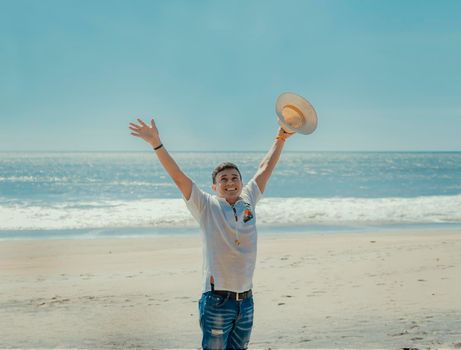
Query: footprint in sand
(53, 301)
(399, 334)
(56, 300)
(319, 292)
(88, 298)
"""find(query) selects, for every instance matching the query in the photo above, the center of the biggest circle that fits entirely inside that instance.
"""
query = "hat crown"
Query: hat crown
(293, 116)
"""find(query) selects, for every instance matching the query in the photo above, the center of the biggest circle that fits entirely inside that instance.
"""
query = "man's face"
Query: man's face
(228, 185)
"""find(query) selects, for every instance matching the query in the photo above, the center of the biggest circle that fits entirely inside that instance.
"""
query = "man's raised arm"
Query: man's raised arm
(270, 160)
(150, 134)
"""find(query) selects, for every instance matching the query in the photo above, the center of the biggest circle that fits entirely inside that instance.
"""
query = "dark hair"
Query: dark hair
(224, 166)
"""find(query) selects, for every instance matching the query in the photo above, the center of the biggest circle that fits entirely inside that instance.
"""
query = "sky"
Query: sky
(383, 75)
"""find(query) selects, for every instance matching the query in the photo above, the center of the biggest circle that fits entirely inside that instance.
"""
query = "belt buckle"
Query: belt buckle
(237, 297)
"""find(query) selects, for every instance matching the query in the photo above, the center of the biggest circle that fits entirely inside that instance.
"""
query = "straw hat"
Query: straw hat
(295, 114)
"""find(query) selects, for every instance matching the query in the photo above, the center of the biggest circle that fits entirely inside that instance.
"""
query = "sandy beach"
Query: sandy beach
(388, 289)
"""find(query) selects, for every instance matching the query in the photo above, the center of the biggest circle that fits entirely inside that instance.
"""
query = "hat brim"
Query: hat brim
(289, 99)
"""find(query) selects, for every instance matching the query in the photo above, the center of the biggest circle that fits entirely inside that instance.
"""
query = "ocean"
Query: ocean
(127, 194)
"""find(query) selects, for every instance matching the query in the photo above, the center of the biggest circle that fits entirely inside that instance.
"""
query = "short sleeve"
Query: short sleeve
(197, 202)
(252, 192)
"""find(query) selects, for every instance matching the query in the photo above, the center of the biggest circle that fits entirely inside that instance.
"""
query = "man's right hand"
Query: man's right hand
(146, 132)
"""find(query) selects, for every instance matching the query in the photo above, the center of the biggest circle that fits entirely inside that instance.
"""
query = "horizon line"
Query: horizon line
(232, 151)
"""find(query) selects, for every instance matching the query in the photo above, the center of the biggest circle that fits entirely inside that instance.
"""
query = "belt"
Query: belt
(233, 295)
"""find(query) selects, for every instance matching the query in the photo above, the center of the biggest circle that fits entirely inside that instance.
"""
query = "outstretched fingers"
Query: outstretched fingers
(141, 130)
(141, 122)
(136, 128)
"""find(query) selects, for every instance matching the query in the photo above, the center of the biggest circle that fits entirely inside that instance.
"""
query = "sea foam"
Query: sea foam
(172, 213)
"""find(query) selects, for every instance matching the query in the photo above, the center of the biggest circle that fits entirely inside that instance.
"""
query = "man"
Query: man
(228, 224)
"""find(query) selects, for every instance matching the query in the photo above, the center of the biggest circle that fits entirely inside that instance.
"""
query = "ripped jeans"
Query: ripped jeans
(225, 323)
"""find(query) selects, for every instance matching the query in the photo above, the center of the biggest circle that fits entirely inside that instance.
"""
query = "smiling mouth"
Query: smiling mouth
(231, 189)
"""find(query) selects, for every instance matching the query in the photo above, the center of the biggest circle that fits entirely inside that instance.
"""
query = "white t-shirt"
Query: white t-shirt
(229, 245)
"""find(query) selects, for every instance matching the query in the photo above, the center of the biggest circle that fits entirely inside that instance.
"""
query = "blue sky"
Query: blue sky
(382, 75)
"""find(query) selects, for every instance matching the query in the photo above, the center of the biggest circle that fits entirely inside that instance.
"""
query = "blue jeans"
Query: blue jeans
(225, 323)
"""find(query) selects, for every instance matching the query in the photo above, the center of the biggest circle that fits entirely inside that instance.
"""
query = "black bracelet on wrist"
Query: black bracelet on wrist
(158, 147)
